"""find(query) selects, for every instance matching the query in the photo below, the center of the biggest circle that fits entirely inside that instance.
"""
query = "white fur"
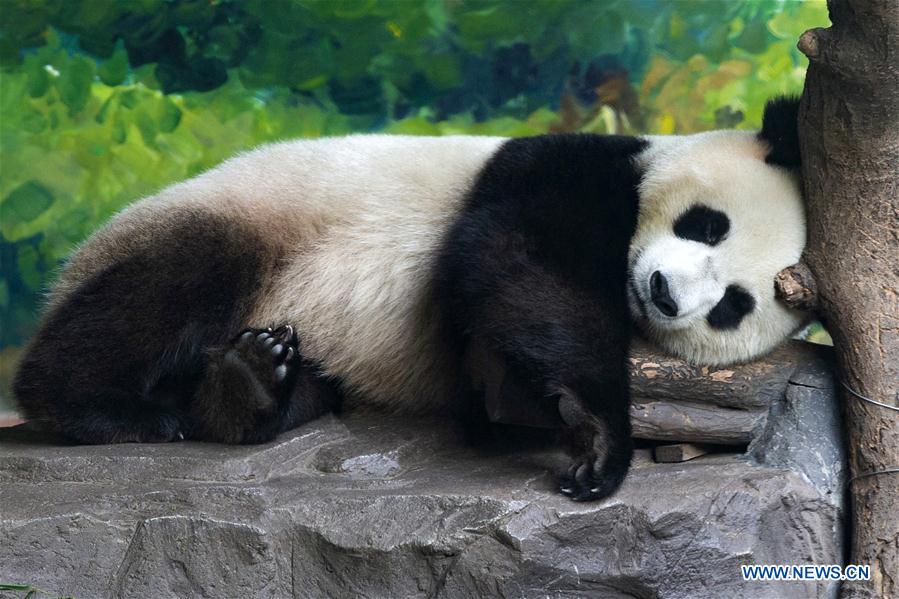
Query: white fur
(724, 170)
(359, 291)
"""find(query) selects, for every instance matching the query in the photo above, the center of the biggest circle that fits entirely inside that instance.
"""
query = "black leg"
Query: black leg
(239, 399)
(114, 416)
(573, 346)
(120, 357)
(600, 445)
(312, 395)
(256, 387)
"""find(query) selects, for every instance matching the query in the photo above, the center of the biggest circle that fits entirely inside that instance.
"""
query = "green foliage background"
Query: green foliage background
(103, 102)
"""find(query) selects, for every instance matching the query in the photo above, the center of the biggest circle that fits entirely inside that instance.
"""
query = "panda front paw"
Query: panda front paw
(596, 468)
(271, 352)
(599, 465)
(583, 480)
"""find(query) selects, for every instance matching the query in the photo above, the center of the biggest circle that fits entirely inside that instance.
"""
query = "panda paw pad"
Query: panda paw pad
(272, 352)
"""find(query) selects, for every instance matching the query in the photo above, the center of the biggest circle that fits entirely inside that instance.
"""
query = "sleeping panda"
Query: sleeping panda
(260, 294)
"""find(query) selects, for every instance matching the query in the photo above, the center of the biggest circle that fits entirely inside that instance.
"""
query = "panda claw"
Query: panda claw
(581, 482)
(582, 474)
(285, 334)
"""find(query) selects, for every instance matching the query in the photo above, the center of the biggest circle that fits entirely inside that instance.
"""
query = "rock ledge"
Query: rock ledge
(371, 507)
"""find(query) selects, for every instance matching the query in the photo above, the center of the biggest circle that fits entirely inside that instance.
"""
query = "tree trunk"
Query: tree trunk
(849, 134)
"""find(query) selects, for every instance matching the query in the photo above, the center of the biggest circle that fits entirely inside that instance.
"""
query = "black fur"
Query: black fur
(727, 313)
(122, 358)
(537, 267)
(703, 224)
(780, 129)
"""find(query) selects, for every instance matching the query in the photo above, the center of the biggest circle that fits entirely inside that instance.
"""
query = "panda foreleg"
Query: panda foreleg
(600, 445)
(574, 345)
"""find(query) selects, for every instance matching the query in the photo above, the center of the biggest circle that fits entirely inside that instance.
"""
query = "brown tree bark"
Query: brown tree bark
(849, 134)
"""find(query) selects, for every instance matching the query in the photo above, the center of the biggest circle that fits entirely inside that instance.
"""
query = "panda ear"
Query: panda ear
(780, 125)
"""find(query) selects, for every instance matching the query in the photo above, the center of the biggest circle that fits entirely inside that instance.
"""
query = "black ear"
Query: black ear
(780, 125)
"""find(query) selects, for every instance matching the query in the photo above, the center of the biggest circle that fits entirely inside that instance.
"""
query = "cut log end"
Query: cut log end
(679, 452)
(810, 43)
(796, 287)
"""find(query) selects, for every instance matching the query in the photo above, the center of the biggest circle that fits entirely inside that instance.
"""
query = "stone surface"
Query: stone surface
(367, 506)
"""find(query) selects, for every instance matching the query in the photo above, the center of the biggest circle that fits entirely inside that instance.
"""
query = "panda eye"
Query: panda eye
(727, 314)
(703, 224)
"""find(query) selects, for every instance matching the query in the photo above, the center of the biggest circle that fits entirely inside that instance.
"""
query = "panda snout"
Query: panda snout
(661, 295)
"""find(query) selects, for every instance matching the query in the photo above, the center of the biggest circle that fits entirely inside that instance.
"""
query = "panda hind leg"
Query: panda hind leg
(117, 418)
(256, 387)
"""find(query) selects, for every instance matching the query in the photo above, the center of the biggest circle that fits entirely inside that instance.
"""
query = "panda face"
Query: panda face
(716, 225)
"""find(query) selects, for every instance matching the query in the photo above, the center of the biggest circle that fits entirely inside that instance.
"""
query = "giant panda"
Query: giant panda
(355, 270)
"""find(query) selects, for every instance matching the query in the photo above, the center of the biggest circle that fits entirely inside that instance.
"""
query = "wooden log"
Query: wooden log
(796, 287)
(694, 422)
(656, 376)
(679, 452)
(671, 399)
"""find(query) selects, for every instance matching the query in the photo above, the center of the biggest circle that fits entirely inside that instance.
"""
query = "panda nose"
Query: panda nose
(661, 297)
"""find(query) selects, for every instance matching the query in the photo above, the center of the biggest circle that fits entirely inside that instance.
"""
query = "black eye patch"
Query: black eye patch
(728, 313)
(703, 224)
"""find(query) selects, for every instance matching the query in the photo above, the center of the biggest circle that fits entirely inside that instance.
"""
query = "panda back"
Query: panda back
(345, 232)
(291, 191)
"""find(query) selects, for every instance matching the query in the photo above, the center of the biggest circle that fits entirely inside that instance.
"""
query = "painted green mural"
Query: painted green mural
(104, 102)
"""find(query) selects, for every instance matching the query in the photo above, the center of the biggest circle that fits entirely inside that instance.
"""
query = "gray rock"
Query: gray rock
(372, 507)
(804, 430)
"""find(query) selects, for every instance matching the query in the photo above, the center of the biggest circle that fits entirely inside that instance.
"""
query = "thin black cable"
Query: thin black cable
(868, 399)
(872, 473)
(882, 405)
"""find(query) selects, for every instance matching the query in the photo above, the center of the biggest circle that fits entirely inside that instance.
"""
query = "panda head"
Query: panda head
(720, 215)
